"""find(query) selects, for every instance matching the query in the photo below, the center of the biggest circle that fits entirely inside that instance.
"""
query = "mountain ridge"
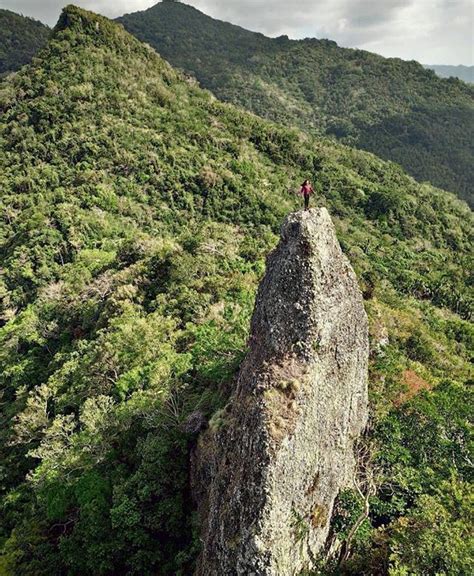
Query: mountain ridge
(396, 109)
(417, 142)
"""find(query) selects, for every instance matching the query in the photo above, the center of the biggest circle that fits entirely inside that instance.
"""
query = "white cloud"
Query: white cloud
(431, 31)
(48, 11)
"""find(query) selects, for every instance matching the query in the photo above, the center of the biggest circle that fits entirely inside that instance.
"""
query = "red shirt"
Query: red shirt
(306, 190)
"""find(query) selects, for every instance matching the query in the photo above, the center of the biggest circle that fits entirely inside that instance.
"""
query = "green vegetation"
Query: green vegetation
(137, 212)
(396, 109)
(20, 40)
(420, 521)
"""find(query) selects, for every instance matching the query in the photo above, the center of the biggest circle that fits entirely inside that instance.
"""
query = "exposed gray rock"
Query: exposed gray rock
(267, 470)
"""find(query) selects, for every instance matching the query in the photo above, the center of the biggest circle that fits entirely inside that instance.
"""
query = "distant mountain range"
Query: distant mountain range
(465, 73)
(396, 109)
(20, 40)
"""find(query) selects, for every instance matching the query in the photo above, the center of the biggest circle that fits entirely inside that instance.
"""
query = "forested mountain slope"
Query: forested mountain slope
(137, 212)
(396, 109)
(20, 40)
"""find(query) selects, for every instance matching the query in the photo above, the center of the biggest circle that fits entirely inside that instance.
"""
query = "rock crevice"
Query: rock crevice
(266, 472)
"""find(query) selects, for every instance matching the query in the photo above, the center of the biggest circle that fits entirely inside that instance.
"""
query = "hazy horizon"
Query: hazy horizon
(407, 29)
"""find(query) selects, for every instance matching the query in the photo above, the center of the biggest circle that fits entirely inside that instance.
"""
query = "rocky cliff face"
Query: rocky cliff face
(267, 470)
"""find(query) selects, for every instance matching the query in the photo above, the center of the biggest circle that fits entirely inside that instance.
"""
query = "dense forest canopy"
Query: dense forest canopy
(137, 212)
(20, 40)
(396, 109)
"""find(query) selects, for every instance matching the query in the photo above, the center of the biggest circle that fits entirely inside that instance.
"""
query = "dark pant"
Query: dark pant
(306, 201)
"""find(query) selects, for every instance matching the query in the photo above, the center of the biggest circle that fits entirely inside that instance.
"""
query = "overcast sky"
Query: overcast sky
(430, 31)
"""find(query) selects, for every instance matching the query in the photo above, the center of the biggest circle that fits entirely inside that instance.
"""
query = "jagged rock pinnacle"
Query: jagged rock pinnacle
(268, 469)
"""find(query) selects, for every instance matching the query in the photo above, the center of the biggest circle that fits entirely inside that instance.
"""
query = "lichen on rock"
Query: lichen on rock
(266, 478)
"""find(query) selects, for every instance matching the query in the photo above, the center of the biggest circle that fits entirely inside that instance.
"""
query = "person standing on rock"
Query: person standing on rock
(306, 191)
